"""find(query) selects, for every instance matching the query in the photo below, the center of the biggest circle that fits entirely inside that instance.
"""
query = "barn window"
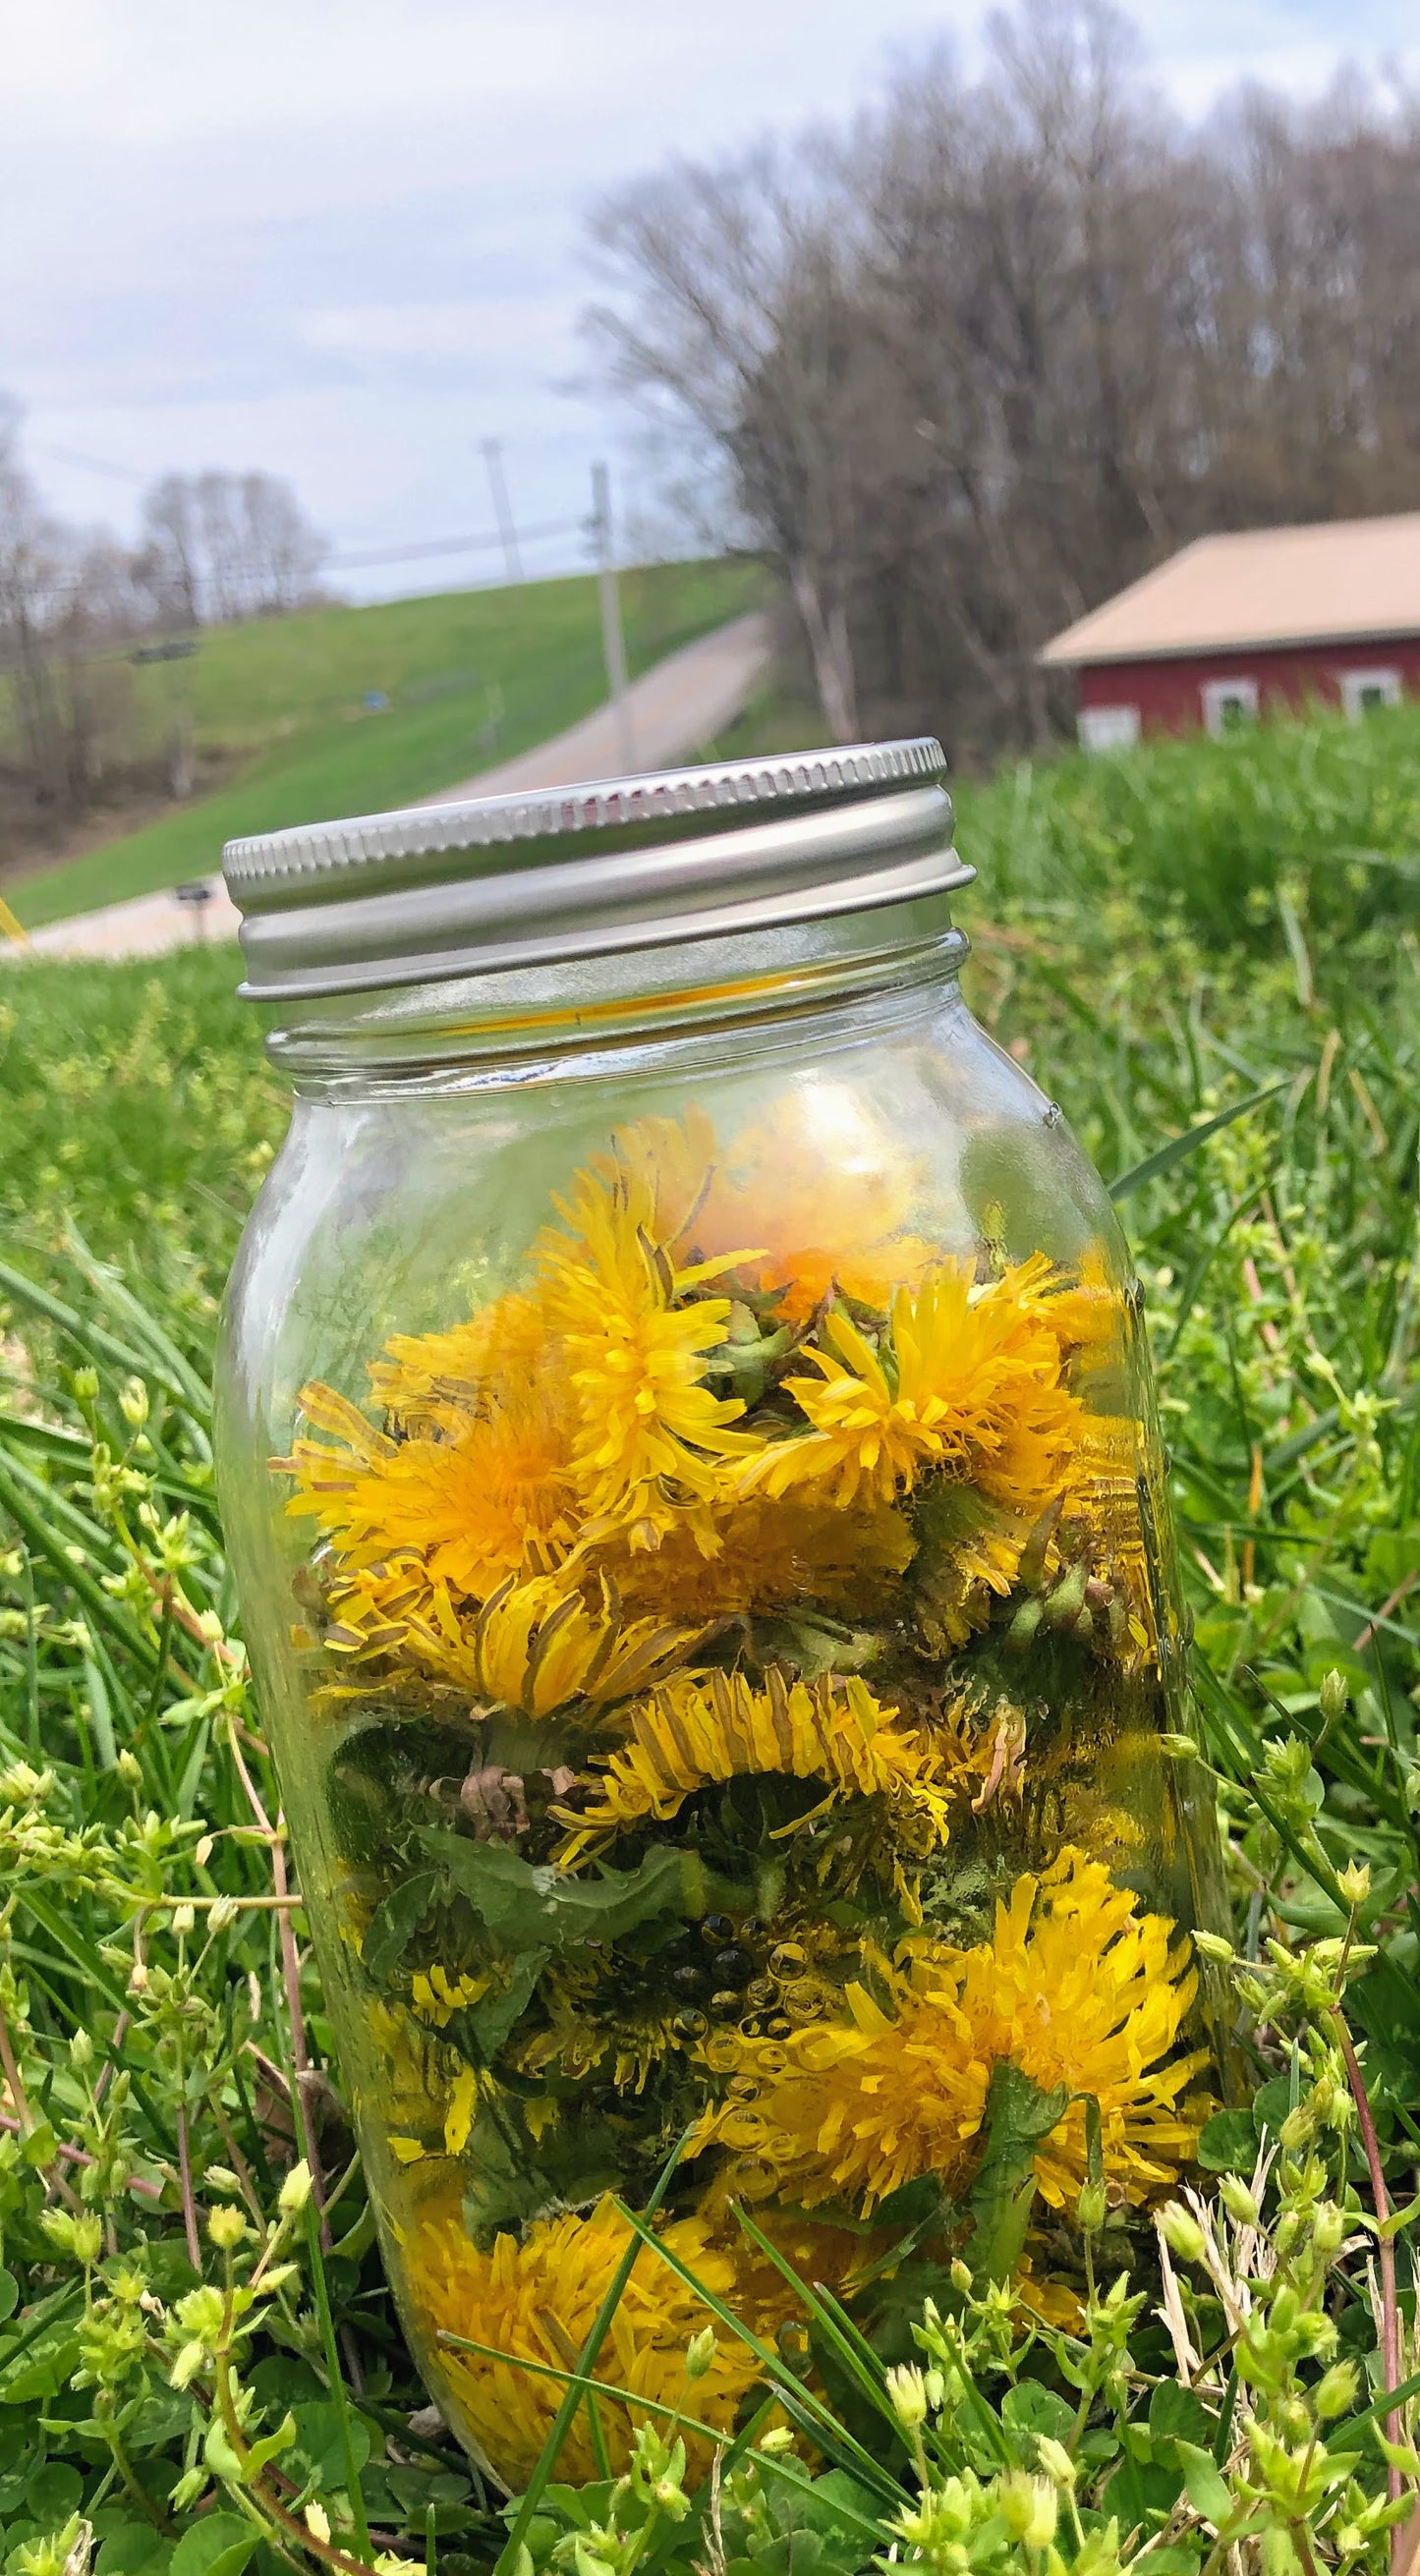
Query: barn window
(1227, 704)
(1108, 728)
(1363, 691)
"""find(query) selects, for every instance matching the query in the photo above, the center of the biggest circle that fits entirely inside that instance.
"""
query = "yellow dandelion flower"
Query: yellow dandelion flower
(537, 2300)
(1054, 2302)
(1102, 1522)
(435, 1996)
(434, 1380)
(370, 1607)
(822, 1187)
(462, 2111)
(716, 1727)
(1084, 1306)
(825, 1187)
(637, 1343)
(401, 2079)
(475, 1509)
(666, 1167)
(818, 2251)
(969, 1560)
(760, 1554)
(537, 1645)
(967, 1380)
(1077, 1987)
(579, 2040)
(361, 1447)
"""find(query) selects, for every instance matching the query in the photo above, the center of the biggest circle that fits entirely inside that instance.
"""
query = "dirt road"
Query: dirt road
(666, 716)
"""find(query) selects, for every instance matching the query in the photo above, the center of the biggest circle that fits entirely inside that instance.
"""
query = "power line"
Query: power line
(94, 464)
(507, 535)
(75, 585)
(451, 545)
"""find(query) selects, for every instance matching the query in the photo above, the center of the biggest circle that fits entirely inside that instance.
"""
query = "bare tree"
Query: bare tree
(170, 551)
(967, 369)
(283, 552)
(741, 321)
(217, 547)
(32, 598)
(73, 724)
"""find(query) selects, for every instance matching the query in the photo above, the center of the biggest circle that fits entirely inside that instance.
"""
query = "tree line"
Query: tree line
(75, 729)
(964, 370)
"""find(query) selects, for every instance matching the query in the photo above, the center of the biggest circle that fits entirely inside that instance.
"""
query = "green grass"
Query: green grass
(1157, 938)
(1231, 841)
(285, 697)
(108, 1076)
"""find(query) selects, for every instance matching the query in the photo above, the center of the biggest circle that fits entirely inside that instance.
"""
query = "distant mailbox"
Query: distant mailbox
(176, 648)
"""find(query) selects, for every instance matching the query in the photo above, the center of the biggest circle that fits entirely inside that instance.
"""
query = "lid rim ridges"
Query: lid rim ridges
(322, 850)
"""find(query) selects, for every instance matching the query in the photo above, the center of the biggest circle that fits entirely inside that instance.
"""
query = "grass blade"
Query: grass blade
(1166, 1158)
(819, 2421)
(507, 2558)
(579, 2379)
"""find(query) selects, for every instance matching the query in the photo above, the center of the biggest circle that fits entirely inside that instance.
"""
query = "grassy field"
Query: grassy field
(286, 701)
(1161, 939)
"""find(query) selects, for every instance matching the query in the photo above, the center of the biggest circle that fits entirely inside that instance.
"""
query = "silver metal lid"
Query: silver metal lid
(439, 891)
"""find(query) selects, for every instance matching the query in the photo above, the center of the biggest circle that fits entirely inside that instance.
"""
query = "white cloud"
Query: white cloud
(449, 330)
(340, 238)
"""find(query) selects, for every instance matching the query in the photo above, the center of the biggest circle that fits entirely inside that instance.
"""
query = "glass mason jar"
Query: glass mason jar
(688, 1455)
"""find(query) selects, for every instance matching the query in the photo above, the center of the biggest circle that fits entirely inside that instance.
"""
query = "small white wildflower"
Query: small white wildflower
(907, 2395)
(295, 2190)
(1182, 2233)
(133, 1403)
(191, 2359)
(1237, 2200)
(1029, 2508)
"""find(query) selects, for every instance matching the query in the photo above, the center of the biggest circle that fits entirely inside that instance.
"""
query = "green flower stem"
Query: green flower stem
(1385, 2248)
(291, 1975)
(189, 2205)
(336, 2377)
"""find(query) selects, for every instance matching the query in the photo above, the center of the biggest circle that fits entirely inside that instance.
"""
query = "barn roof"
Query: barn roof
(1267, 586)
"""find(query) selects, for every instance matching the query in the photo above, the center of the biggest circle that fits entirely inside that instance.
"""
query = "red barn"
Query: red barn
(1273, 619)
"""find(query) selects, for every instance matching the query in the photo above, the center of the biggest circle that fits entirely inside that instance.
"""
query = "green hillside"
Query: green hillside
(466, 677)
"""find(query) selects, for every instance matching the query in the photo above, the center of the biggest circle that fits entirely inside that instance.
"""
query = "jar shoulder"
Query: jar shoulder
(396, 1211)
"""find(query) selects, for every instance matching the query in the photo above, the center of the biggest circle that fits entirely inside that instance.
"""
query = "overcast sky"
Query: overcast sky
(341, 239)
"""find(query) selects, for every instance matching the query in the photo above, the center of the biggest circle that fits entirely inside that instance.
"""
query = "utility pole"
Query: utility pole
(175, 649)
(613, 641)
(493, 459)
